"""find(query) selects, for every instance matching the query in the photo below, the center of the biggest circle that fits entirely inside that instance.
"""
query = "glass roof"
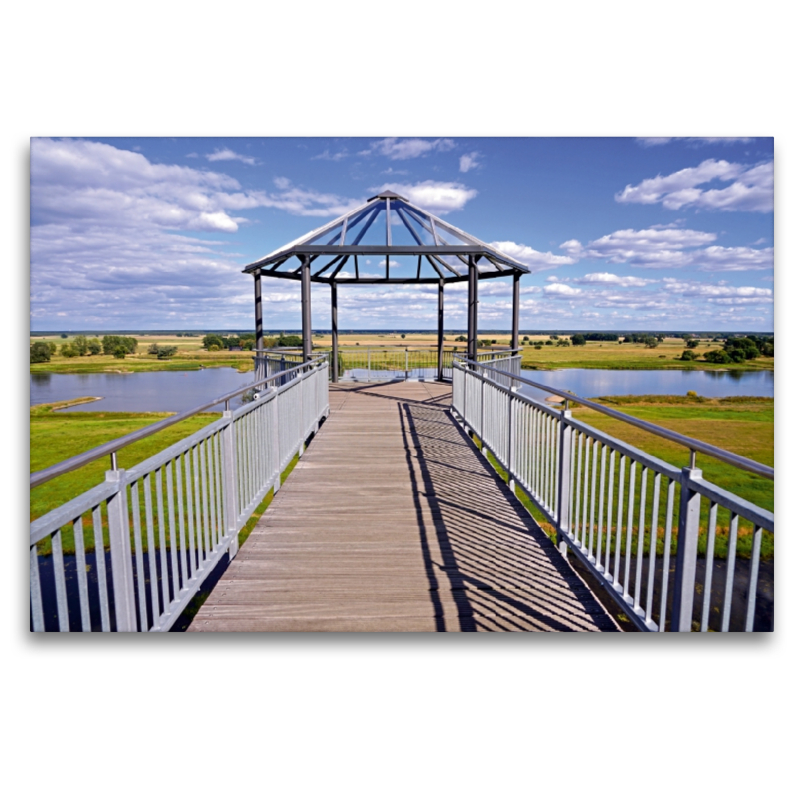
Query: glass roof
(388, 239)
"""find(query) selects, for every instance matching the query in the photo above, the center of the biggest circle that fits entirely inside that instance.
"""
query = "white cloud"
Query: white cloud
(468, 161)
(534, 259)
(401, 149)
(438, 197)
(326, 155)
(609, 279)
(670, 248)
(561, 290)
(653, 141)
(751, 188)
(718, 292)
(226, 154)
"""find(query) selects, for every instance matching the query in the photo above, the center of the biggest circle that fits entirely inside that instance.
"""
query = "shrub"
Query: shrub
(537, 347)
(212, 340)
(688, 355)
(290, 341)
(94, 347)
(40, 352)
(152, 350)
(120, 352)
(578, 339)
(112, 343)
(53, 348)
(550, 342)
(717, 357)
(68, 351)
(167, 351)
(213, 348)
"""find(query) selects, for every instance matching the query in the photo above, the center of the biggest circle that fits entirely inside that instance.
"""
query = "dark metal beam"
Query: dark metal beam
(440, 340)
(305, 297)
(472, 311)
(259, 317)
(515, 314)
(334, 333)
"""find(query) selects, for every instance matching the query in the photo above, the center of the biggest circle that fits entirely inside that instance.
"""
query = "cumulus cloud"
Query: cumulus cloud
(662, 247)
(720, 292)
(468, 161)
(750, 188)
(326, 155)
(226, 154)
(401, 149)
(561, 290)
(654, 141)
(610, 279)
(534, 259)
(438, 197)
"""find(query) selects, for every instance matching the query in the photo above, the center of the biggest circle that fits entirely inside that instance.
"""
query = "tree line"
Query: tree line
(117, 346)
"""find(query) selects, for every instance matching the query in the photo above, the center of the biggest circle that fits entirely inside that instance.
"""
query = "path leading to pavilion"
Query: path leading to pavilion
(392, 521)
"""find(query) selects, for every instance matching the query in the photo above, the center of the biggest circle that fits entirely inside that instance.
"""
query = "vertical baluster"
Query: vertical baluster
(100, 556)
(221, 526)
(592, 500)
(640, 540)
(755, 558)
(202, 533)
(173, 537)
(585, 509)
(600, 508)
(709, 576)
(537, 447)
(578, 499)
(37, 610)
(733, 538)
(609, 513)
(662, 621)
(212, 497)
(61, 584)
(181, 521)
(651, 571)
(620, 505)
(204, 495)
(137, 547)
(162, 540)
(194, 544)
(151, 548)
(80, 568)
(629, 532)
(573, 488)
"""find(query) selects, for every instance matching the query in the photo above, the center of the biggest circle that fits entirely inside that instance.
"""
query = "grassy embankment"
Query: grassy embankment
(56, 437)
(742, 425)
(592, 355)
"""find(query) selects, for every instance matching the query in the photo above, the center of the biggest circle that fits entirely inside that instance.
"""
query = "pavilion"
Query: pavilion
(410, 246)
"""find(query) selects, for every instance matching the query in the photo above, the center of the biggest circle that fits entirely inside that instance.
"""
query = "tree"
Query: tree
(63, 335)
(650, 342)
(53, 348)
(212, 339)
(688, 355)
(68, 351)
(290, 341)
(40, 352)
(692, 343)
(166, 351)
(152, 350)
(402, 336)
(537, 347)
(95, 347)
(578, 339)
(120, 351)
(550, 342)
(80, 345)
(717, 357)
(563, 343)
(112, 343)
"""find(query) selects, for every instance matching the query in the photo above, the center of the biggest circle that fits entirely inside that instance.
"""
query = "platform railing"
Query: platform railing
(160, 528)
(621, 511)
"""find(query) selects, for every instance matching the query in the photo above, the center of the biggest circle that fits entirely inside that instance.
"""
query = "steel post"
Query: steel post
(259, 316)
(686, 558)
(515, 315)
(334, 332)
(564, 477)
(229, 480)
(472, 311)
(305, 299)
(440, 340)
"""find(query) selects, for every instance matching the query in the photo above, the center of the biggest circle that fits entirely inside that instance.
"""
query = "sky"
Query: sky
(653, 234)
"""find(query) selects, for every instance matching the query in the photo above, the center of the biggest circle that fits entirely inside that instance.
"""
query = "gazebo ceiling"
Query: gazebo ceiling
(387, 240)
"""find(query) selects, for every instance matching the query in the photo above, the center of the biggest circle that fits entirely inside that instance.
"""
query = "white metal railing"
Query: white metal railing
(616, 506)
(168, 521)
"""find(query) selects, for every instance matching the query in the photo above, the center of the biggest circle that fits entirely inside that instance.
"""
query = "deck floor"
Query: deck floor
(392, 521)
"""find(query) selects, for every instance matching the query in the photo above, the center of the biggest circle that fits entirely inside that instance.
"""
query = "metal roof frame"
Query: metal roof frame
(339, 241)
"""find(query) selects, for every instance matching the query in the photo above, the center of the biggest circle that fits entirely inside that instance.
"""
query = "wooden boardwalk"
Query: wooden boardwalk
(392, 521)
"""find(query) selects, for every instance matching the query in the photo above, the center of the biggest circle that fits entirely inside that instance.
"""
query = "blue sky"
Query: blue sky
(619, 233)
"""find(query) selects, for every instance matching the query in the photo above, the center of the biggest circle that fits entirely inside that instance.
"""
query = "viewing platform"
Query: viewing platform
(392, 521)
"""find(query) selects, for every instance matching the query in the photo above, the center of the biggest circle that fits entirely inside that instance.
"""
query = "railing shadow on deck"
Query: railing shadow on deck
(496, 564)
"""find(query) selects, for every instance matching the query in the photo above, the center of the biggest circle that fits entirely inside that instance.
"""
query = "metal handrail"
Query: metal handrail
(82, 459)
(694, 445)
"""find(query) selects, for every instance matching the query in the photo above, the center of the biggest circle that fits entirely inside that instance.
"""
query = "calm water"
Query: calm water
(603, 382)
(140, 391)
(179, 391)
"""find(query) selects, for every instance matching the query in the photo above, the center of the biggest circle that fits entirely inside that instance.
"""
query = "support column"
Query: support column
(515, 315)
(259, 318)
(306, 308)
(334, 333)
(440, 356)
(472, 311)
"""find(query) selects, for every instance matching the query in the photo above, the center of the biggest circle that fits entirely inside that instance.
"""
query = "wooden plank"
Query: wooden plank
(392, 521)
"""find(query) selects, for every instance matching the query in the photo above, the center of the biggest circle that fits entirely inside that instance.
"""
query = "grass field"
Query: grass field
(592, 355)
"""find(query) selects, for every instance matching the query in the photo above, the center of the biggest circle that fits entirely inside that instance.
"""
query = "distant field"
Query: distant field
(592, 355)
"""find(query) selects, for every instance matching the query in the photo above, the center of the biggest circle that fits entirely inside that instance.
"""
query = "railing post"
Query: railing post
(512, 409)
(229, 477)
(564, 478)
(483, 413)
(120, 543)
(686, 558)
(276, 442)
(406, 363)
